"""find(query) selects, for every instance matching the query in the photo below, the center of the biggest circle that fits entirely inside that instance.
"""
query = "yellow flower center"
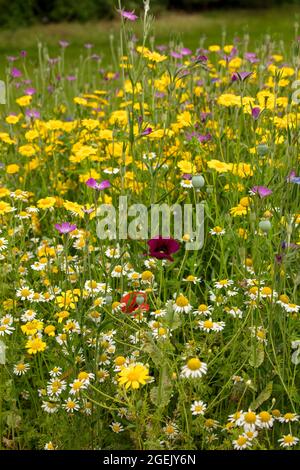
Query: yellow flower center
(194, 363)
(202, 308)
(265, 416)
(266, 291)
(182, 301)
(241, 441)
(250, 417)
(208, 324)
(147, 275)
(120, 360)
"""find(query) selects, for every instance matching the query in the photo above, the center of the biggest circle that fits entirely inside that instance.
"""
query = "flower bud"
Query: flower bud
(265, 225)
(198, 181)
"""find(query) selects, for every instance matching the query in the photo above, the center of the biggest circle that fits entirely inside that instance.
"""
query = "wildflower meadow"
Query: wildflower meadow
(116, 333)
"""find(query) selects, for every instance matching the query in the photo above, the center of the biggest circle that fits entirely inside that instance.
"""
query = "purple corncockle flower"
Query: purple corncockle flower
(63, 43)
(11, 58)
(241, 76)
(92, 183)
(30, 91)
(186, 176)
(147, 131)
(255, 112)
(176, 55)
(95, 57)
(200, 137)
(88, 45)
(163, 248)
(15, 73)
(53, 60)
(159, 94)
(251, 57)
(32, 113)
(201, 58)
(204, 116)
(65, 227)
(128, 15)
(185, 51)
(71, 78)
(286, 245)
(292, 178)
(262, 191)
(88, 211)
(161, 48)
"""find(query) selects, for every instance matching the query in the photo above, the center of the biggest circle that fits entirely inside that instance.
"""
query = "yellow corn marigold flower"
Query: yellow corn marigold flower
(220, 167)
(35, 345)
(12, 169)
(24, 100)
(46, 203)
(133, 376)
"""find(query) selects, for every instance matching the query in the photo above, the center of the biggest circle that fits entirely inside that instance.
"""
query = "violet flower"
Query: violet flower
(147, 131)
(128, 15)
(262, 191)
(15, 73)
(241, 76)
(255, 112)
(92, 183)
(30, 91)
(292, 178)
(63, 43)
(65, 227)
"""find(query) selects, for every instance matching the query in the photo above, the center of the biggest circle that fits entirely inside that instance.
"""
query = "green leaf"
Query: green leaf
(161, 395)
(262, 397)
(257, 356)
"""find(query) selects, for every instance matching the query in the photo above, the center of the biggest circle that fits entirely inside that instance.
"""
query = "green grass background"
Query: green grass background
(193, 30)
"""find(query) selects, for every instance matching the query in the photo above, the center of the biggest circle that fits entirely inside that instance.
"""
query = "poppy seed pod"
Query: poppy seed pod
(262, 150)
(265, 225)
(140, 299)
(198, 181)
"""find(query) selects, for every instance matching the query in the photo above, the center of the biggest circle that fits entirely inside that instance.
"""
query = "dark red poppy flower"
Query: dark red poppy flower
(132, 302)
(163, 248)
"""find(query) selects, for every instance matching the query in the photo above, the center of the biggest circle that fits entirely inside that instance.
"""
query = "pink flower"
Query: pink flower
(128, 15)
(15, 73)
(262, 191)
(92, 183)
(147, 131)
(65, 227)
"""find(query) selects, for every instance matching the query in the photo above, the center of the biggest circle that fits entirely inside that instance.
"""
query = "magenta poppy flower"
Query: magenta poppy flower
(163, 248)
(92, 183)
(65, 227)
(262, 191)
(128, 15)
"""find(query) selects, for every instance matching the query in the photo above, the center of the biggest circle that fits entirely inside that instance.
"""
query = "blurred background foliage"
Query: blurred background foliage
(25, 12)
